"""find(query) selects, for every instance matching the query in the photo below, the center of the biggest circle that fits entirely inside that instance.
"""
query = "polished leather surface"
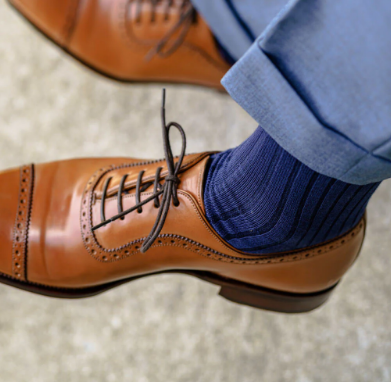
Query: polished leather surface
(51, 242)
(117, 38)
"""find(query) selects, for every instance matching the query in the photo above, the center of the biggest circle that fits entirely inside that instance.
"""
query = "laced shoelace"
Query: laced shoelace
(188, 16)
(168, 190)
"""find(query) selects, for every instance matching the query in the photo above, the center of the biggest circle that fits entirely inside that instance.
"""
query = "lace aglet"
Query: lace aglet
(164, 99)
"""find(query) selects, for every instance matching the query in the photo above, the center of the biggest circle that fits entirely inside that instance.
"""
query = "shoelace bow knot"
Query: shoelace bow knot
(168, 190)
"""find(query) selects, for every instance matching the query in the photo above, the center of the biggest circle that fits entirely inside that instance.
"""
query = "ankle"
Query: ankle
(260, 199)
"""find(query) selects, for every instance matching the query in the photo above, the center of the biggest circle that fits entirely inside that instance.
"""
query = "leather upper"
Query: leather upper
(51, 242)
(119, 37)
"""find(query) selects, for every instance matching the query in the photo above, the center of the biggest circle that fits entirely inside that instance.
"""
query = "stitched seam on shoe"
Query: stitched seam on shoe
(215, 255)
(22, 223)
(29, 218)
(272, 256)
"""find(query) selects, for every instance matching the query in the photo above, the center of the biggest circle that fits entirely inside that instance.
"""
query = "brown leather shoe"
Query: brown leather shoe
(80, 227)
(132, 40)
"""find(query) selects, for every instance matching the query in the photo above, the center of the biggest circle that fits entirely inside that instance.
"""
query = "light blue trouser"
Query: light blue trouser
(317, 79)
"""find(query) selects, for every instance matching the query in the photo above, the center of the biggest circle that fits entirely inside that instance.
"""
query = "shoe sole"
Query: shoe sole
(235, 291)
(100, 72)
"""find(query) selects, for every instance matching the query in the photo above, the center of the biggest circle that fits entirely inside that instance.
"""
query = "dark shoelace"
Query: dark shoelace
(168, 190)
(188, 16)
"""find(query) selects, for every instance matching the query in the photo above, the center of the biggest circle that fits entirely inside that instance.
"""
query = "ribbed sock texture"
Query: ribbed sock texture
(260, 199)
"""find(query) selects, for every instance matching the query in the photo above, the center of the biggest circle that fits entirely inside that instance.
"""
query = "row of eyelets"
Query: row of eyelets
(89, 239)
(19, 250)
(86, 214)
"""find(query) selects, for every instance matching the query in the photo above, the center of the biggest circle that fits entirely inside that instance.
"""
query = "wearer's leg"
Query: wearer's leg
(318, 81)
(237, 23)
(260, 199)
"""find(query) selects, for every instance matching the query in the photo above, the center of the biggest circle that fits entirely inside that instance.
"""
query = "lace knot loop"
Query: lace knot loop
(168, 191)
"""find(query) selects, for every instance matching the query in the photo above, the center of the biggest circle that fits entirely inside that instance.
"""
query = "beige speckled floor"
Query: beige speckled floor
(166, 328)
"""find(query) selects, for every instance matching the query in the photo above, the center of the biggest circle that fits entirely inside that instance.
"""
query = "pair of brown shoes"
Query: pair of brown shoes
(77, 228)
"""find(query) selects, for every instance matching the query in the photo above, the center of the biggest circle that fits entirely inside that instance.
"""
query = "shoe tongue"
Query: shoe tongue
(133, 169)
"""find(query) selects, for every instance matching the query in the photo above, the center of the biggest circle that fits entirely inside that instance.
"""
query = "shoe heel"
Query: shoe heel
(275, 300)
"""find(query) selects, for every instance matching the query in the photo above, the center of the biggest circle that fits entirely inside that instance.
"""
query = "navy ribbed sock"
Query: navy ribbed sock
(260, 199)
